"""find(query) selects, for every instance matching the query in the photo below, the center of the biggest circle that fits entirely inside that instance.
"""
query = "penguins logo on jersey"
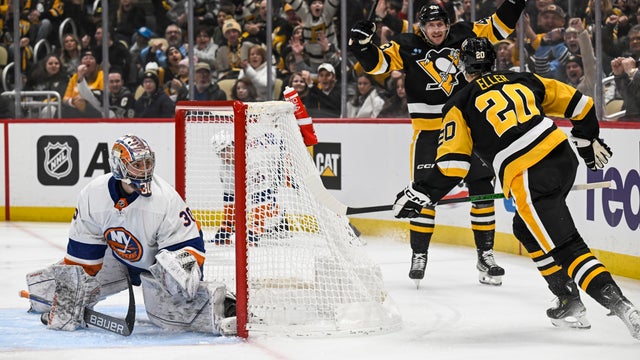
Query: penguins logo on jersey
(442, 67)
(123, 244)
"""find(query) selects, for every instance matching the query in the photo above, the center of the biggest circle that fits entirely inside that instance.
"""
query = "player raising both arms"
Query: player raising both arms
(133, 224)
(429, 56)
(503, 117)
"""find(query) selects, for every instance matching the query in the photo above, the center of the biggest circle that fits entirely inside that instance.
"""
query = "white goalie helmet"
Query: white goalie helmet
(132, 162)
(221, 140)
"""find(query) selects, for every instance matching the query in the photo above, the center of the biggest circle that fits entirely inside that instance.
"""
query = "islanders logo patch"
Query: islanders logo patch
(123, 244)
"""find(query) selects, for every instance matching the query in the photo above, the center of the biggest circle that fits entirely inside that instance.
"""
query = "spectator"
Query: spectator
(83, 97)
(365, 103)
(126, 20)
(205, 49)
(606, 8)
(244, 91)
(284, 30)
(204, 13)
(232, 52)
(91, 24)
(153, 103)
(318, 32)
(44, 17)
(70, 54)
(256, 25)
(160, 9)
(118, 53)
(48, 75)
(172, 66)
(533, 9)
(157, 51)
(627, 79)
(396, 106)
(504, 54)
(136, 67)
(225, 12)
(325, 99)
(256, 70)
(550, 50)
(179, 80)
(298, 81)
(580, 68)
(204, 88)
(121, 101)
(295, 47)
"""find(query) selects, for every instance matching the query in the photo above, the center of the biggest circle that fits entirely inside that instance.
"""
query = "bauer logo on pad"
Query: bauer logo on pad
(58, 160)
(328, 159)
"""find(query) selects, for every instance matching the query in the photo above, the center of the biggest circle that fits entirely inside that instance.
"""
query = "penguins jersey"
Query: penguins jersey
(432, 72)
(503, 117)
(133, 227)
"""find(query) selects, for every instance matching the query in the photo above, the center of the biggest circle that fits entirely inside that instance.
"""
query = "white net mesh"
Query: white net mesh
(307, 272)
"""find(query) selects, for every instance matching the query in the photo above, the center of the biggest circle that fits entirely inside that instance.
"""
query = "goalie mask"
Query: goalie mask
(132, 162)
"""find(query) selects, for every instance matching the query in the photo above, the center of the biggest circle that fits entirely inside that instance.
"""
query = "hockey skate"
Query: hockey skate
(490, 272)
(418, 264)
(623, 308)
(229, 325)
(569, 311)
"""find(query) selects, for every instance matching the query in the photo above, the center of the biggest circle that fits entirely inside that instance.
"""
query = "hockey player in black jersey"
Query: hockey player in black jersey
(503, 117)
(429, 56)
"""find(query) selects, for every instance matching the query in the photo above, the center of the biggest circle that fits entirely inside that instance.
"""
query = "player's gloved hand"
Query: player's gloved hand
(594, 152)
(410, 202)
(363, 31)
(178, 272)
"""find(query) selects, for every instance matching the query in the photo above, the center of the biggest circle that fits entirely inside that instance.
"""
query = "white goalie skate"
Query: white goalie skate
(489, 272)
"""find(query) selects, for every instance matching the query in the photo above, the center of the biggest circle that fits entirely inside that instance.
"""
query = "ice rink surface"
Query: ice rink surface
(451, 316)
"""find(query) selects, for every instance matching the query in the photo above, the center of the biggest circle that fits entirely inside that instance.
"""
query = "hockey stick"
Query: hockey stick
(372, 12)
(473, 198)
(122, 327)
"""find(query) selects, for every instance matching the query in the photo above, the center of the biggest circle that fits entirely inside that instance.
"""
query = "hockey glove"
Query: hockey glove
(410, 202)
(178, 272)
(594, 152)
(363, 31)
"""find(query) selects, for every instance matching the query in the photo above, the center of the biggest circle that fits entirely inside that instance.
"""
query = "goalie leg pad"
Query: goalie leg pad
(74, 291)
(202, 314)
(41, 283)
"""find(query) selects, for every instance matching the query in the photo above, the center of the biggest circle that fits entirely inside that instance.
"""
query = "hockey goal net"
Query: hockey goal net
(296, 267)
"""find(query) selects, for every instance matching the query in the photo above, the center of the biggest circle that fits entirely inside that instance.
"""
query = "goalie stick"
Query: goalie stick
(122, 327)
(473, 198)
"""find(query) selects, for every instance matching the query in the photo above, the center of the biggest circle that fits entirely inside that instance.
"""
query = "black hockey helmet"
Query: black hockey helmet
(431, 12)
(477, 55)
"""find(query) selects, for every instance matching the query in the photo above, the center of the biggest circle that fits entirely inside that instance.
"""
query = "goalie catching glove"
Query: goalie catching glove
(410, 202)
(362, 32)
(178, 272)
(594, 152)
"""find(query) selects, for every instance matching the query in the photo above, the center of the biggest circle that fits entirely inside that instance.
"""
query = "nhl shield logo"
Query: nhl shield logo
(58, 160)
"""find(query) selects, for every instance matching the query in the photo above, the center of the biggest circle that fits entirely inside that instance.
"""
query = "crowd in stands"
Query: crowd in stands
(149, 63)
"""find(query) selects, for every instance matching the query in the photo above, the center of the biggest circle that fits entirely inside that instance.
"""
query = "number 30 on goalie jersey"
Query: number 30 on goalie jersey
(506, 113)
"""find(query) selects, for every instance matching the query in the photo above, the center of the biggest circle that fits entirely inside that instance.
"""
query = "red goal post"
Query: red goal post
(271, 236)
